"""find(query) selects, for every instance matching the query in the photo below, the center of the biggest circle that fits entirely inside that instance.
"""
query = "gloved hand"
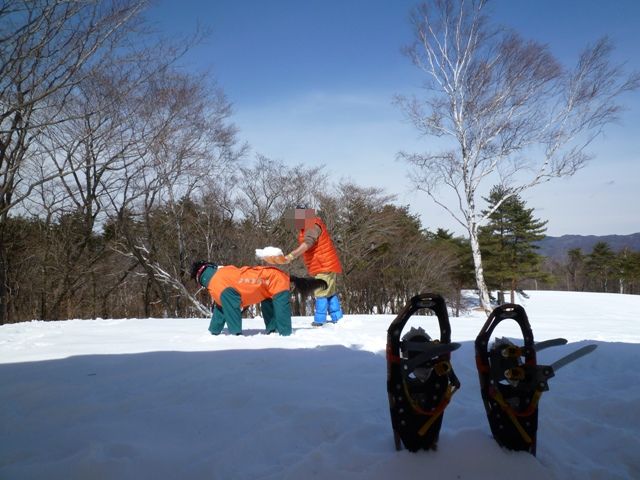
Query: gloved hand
(276, 259)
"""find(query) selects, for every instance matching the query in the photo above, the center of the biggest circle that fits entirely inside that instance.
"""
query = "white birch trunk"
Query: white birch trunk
(485, 301)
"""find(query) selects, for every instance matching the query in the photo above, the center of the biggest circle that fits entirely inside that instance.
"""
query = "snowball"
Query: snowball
(268, 252)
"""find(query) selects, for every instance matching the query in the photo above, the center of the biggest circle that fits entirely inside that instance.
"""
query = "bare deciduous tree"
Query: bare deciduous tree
(512, 114)
(47, 47)
(266, 190)
(187, 139)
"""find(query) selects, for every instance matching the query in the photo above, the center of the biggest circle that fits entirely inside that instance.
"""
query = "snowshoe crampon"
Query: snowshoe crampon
(420, 379)
(512, 382)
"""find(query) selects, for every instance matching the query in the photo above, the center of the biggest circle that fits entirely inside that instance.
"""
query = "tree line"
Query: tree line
(512, 264)
(136, 264)
(601, 270)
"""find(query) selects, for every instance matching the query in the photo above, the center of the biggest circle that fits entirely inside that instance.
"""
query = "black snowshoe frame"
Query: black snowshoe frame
(420, 379)
(511, 382)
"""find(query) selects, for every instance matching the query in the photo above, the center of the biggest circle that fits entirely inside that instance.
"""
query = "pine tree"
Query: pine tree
(575, 269)
(601, 265)
(462, 274)
(628, 263)
(508, 242)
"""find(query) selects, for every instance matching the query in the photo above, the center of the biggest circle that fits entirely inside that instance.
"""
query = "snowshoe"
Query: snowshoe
(512, 382)
(420, 379)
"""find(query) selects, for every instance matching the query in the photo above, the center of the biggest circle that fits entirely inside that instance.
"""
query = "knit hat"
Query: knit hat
(197, 269)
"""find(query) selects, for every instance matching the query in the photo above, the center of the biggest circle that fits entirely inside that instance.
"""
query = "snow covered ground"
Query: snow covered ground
(161, 398)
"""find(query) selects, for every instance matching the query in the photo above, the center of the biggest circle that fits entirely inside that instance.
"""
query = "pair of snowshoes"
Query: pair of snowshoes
(421, 380)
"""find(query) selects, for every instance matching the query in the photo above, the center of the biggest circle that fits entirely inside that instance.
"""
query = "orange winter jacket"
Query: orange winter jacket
(254, 284)
(322, 257)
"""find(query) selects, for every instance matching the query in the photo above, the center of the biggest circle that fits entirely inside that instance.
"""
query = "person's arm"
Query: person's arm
(232, 310)
(217, 320)
(310, 238)
(303, 247)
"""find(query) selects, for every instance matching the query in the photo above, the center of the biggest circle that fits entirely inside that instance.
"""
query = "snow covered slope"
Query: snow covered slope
(161, 398)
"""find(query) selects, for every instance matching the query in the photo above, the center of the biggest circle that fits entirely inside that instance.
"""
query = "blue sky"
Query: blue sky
(312, 82)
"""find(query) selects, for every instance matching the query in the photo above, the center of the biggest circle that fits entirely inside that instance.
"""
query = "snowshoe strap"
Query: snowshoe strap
(581, 352)
(432, 350)
(442, 368)
(436, 412)
(497, 396)
(553, 342)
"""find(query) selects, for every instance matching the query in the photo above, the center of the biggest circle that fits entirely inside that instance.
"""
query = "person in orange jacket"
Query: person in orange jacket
(234, 288)
(321, 259)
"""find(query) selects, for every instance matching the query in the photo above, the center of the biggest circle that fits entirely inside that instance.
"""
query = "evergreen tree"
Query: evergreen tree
(628, 263)
(508, 242)
(575, 269)
(462, 275)
(601, 266)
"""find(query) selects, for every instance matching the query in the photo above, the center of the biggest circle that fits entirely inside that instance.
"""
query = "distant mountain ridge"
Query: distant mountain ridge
(557, 247)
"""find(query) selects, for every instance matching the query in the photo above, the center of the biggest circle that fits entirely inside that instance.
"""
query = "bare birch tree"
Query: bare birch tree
(510, 112)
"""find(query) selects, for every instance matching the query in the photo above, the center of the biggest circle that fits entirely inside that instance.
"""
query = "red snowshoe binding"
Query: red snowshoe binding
(420, 379)
(512, 382)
